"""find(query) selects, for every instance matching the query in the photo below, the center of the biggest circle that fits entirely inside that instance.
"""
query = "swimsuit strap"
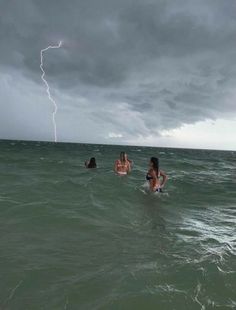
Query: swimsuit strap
(148, 177)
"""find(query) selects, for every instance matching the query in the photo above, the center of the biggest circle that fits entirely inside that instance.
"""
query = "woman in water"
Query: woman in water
(156, 177)
(122, 165)
(91, 163)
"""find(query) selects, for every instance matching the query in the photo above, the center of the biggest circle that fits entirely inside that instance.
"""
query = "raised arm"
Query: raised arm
(164, 178)
(129, 167)
(115, 166)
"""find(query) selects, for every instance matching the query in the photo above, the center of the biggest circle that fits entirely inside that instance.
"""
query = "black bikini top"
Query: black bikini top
(148, 177)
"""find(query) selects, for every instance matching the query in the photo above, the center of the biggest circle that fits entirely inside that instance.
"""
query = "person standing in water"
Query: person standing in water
(91, 163)
(156, 177)
(122, 165)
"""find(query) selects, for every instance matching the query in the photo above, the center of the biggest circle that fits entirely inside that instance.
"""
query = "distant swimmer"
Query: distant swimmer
(122, 165)
(156, 178)
(91, 163)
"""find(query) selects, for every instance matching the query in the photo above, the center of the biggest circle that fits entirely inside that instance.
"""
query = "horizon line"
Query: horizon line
(123, 145)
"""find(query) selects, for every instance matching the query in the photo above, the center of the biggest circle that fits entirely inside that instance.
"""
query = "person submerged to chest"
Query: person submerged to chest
(122, 165)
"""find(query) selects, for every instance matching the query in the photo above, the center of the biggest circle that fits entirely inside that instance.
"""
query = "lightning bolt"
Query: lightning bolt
(48, 88)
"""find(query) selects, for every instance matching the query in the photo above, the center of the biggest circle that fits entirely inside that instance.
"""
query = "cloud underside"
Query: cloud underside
(126, 68)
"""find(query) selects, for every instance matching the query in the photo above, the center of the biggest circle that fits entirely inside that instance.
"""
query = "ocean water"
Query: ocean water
(72, 238)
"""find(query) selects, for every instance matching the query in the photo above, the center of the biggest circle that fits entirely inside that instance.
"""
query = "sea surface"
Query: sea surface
(74, 238)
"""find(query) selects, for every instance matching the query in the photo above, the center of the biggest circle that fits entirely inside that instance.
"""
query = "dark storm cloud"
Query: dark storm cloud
(162, 63)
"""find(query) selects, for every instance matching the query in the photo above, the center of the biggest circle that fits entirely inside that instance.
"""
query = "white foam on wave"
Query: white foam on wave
(13, 291)
(196, 297)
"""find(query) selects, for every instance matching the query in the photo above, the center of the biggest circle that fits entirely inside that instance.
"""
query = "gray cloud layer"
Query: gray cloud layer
(130, 67)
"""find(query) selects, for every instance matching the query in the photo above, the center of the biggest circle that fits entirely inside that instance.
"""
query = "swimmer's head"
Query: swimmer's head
(92, 163)
(122, 157)
(154, 163)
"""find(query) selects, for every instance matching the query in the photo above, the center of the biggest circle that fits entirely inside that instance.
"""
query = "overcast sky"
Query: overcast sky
(147, 72)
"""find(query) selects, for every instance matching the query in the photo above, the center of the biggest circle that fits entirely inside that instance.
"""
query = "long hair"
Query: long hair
(155, 163)
(122, 157)
(92, 163)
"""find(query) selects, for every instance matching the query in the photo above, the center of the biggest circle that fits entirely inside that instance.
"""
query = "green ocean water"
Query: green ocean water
(72, 238)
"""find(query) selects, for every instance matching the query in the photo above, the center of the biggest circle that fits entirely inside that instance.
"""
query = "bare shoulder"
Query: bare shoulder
(117, 162)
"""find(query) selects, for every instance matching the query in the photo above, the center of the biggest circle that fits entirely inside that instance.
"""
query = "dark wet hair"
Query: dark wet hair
(122, 156)
(92, 163)
(155, 162)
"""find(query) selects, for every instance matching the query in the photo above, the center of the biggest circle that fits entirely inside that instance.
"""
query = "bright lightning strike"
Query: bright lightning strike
(48, 88)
